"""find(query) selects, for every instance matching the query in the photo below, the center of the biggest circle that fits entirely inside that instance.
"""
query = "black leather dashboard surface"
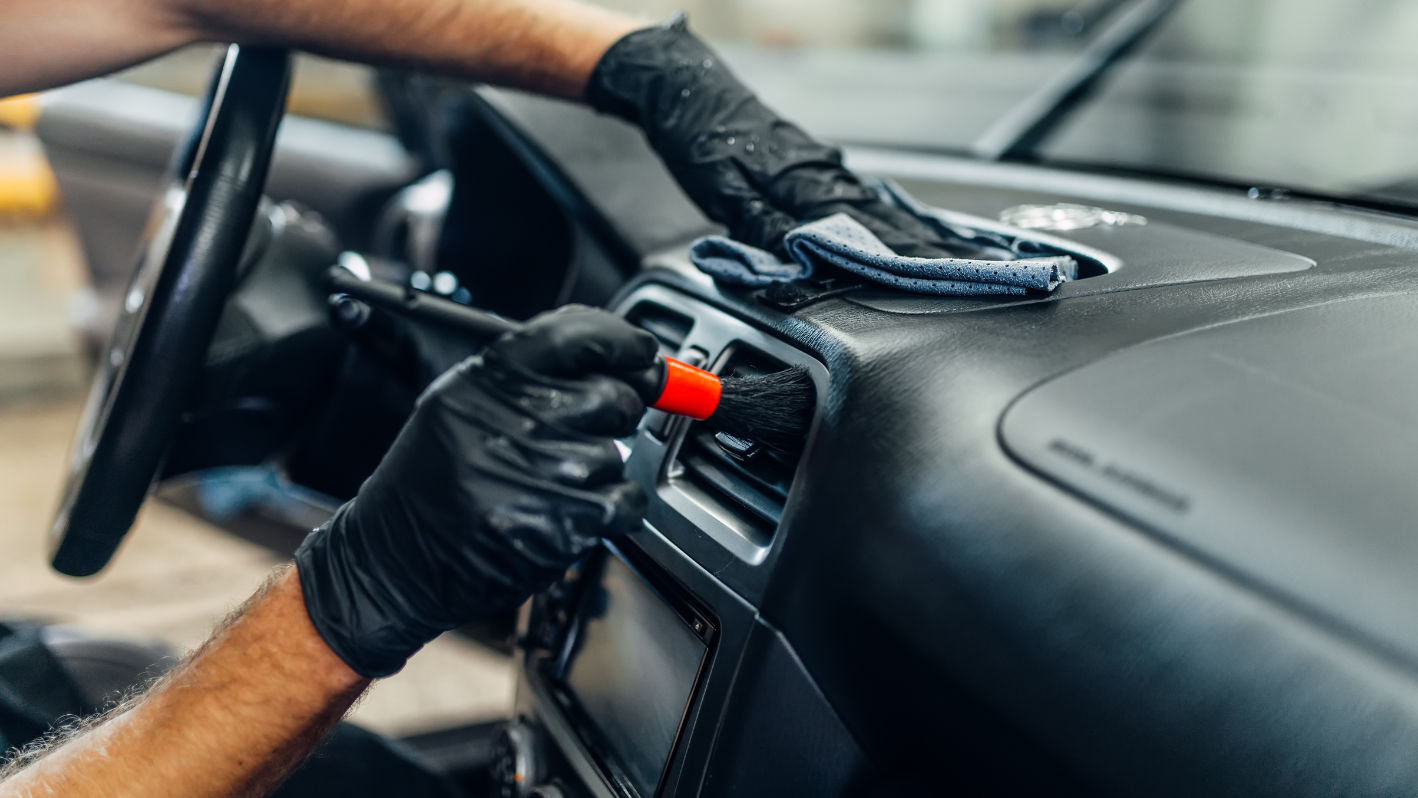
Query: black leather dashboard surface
(992, 631)
(1282, 447)
(1223, 613)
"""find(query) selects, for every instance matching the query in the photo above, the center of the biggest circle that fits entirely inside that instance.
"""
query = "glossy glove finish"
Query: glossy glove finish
(504, 475)
(744, 165)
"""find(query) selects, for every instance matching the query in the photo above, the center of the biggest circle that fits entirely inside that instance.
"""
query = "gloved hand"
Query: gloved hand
(745, 166)
(504, 476)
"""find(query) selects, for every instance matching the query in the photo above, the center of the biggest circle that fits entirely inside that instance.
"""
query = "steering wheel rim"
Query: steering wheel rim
(149, 373)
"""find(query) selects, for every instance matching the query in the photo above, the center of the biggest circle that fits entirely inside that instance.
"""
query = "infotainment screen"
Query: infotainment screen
(632, 666)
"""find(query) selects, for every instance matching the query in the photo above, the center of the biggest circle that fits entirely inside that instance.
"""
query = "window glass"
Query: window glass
(1318, 95)
(322, 88)
(920, 73)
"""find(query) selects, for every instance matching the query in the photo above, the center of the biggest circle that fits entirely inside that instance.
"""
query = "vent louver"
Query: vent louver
(668, 327)
(711, 492)
(753, 487)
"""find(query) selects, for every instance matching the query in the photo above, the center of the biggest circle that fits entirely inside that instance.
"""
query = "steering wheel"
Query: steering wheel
(149, 374)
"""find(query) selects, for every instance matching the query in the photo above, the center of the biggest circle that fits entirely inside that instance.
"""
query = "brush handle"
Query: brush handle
(669, 385)
(687, 391)
(419, 305)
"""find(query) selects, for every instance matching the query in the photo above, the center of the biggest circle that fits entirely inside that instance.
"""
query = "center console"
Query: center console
(648, 671)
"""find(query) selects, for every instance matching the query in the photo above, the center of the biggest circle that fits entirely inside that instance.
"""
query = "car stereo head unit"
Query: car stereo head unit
(627, 670)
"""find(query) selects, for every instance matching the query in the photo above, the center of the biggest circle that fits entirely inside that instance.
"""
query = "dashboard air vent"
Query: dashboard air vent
(669, 327)
(747, 480)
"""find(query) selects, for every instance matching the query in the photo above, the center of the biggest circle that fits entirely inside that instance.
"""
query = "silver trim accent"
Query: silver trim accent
(526, 762)
(565, 738)
(1063, 216)
(1110, 263)
(355, 264)
(419, 210)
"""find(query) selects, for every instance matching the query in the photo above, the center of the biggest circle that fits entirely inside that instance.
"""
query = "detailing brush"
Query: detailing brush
(772, 409)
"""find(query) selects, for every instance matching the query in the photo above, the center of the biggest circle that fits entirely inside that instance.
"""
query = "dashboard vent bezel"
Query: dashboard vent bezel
(719, 498)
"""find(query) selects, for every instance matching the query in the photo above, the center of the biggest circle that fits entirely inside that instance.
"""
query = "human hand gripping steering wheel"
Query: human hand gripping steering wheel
(150, 371)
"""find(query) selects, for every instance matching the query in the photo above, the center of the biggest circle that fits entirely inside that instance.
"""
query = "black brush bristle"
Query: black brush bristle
(772, 409)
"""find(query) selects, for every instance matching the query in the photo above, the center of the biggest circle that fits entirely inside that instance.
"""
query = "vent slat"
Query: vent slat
(758, 489)
(669, 327)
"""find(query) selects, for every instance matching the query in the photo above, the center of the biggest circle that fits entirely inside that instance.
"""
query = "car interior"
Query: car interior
(1149, 533)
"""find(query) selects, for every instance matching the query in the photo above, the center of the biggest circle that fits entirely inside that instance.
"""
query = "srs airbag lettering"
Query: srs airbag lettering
(1115, 473)
(1074, 453)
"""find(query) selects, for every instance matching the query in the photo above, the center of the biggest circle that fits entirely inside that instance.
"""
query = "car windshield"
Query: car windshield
(1314, 95)
(929, 74)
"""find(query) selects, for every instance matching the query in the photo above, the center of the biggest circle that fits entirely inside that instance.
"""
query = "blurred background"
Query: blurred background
(1302, 93)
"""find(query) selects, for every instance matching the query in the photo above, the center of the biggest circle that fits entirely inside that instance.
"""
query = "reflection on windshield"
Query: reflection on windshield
(919, 73)
(1315, 95)
(886, 24)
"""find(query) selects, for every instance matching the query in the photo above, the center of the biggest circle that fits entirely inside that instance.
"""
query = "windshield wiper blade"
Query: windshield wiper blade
(1017, 134)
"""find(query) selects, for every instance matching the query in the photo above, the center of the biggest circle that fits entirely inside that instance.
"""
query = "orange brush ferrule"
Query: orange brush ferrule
(689, 391)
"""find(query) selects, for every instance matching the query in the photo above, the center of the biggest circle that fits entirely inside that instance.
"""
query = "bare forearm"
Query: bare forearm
(231, 721)
(48, 43)
(548, 46)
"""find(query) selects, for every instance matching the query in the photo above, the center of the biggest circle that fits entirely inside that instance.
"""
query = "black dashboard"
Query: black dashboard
(1149, 534)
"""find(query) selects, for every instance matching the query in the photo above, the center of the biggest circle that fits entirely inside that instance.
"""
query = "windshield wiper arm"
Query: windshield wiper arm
(1017, 134)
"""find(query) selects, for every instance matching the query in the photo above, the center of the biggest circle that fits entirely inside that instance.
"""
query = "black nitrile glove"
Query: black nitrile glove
(744, 165)
(504, 475)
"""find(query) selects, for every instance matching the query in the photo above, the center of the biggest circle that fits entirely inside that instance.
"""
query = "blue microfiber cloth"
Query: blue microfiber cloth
(1017, 264)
